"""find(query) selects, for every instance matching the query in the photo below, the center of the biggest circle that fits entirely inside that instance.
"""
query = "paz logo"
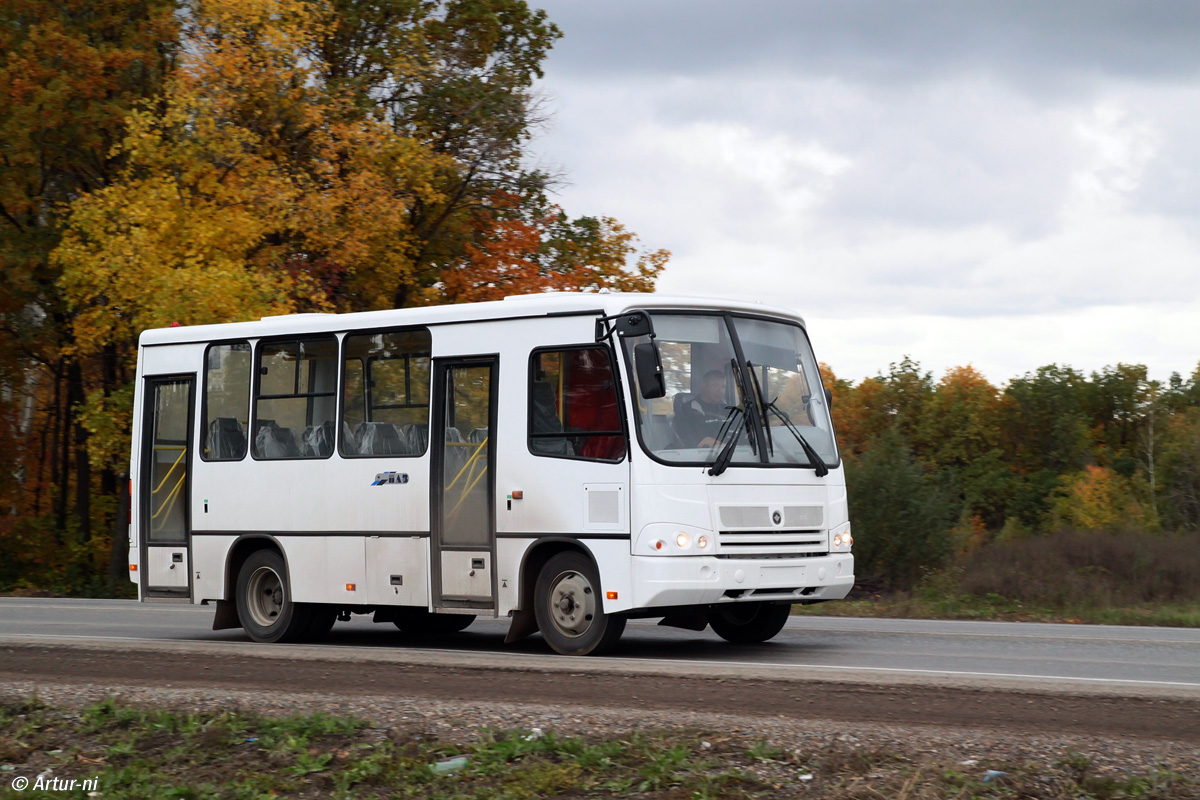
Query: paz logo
(385, 478)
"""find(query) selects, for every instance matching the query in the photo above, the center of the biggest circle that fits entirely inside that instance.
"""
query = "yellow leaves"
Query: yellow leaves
(250, 188)
(1100, 499)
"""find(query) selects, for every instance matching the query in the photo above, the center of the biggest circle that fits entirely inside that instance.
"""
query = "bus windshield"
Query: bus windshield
(744, 383)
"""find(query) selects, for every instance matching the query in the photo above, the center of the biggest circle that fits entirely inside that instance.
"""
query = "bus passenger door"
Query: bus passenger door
(463, 483)
(165, 488)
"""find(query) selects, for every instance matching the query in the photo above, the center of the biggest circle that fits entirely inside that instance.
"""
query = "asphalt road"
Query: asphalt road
(1023, 678)
(833, 647)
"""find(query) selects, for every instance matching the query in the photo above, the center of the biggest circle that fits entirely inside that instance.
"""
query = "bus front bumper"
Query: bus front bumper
(705, 580)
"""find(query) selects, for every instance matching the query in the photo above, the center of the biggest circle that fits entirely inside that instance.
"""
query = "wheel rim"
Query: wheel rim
(264, 595)
(572, 604)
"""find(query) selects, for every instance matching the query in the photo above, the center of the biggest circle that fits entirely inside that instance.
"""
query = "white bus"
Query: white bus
(568, 461)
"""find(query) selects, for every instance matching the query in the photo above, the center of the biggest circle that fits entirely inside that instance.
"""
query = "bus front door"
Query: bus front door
(463, 485)
(164, 511)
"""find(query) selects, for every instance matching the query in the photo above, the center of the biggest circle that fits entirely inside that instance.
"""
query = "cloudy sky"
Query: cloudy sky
(1002, 184)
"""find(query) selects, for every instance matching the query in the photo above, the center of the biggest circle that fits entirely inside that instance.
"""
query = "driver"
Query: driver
(699, 419)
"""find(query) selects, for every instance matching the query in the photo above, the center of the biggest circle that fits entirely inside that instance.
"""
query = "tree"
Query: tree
(959, 433)
(70, 72)
(518, 250)
(901, 512)
(210, 160)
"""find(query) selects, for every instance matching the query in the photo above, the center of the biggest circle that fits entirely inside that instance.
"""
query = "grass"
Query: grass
(160, 753)
(1111, 578)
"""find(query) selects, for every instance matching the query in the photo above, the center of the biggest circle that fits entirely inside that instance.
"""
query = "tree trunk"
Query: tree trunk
(83, 467)
(118, 563)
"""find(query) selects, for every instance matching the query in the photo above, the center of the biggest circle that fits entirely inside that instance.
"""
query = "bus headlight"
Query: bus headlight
(843, 539)
(675, 539)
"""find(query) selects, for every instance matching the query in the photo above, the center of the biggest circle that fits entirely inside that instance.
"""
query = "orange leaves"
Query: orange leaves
(514, 251)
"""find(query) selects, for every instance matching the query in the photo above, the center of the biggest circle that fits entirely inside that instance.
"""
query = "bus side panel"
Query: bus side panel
(616, 577)
(397, 571)
(318, 495)
(209, 560)
(326, 569)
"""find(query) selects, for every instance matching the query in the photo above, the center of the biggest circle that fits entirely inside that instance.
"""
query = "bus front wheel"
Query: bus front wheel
(749, 623)
(570, 613)
(264, 601)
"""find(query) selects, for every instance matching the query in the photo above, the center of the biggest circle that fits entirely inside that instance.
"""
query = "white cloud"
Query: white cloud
(1020, 203)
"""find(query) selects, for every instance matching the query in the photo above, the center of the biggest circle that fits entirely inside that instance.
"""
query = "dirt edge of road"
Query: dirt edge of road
(690, 687)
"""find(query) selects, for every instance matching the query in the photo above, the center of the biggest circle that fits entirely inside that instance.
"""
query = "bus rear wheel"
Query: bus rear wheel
(749, 623)
(264, 601)
(569, 611)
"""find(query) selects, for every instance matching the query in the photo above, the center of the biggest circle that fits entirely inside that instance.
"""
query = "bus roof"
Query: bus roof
(514, 307)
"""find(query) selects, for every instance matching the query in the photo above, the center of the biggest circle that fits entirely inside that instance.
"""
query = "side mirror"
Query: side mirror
(649, 371)
(828, 398)
(634, 323)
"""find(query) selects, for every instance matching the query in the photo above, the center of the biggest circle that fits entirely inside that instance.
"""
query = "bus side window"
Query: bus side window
(385, 394)
(573, 405)
(226, 410)
(297, 394)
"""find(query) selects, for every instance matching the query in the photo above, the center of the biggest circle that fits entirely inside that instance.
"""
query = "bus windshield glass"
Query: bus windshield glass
(725, 378)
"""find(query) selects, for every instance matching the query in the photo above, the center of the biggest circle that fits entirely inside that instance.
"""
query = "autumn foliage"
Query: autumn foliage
(938, 468)
(202, 161)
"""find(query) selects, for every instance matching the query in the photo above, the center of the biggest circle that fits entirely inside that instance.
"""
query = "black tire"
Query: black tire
(419, 622)
(569, 609)
(749, 623)
(320, 623)
(264, 600)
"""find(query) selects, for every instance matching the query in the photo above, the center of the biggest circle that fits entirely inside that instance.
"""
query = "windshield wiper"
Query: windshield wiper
(762, 404)
(818, 464)
(721, 462)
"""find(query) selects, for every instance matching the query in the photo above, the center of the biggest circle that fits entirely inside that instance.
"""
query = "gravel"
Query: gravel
(461, 722)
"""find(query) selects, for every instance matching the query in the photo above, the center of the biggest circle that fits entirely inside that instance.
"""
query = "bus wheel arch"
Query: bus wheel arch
(560, 596)
(257, 566)
(524, 618)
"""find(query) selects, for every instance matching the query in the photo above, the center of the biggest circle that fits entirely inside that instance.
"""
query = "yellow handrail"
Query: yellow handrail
(170, 499)
(471, 481)
(163, 482)
(470, 461)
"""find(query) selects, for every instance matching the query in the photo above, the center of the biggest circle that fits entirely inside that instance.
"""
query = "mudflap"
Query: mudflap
(524, 623)
(226, 616)
(690, 620)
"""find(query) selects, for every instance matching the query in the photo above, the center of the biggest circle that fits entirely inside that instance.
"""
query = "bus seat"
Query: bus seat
(477, 435)
(417, 434)
(272, 441)
(318, 440)
(545, 420)
(679, 402)
(380, 439)
(226, 439)
(349, 443)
